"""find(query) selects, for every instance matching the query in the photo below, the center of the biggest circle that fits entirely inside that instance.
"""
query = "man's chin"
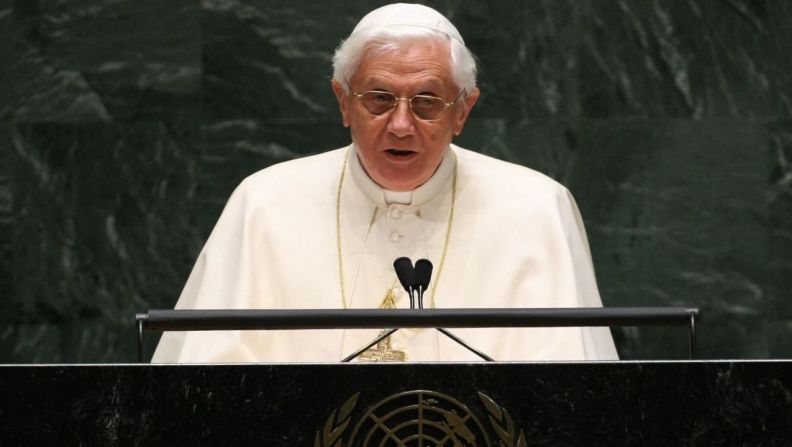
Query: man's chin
(398, 183)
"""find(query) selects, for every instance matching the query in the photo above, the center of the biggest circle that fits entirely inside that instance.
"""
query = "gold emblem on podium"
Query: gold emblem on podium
(419, 418)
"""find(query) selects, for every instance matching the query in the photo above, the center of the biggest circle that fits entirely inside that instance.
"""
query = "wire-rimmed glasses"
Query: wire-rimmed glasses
(423, 107)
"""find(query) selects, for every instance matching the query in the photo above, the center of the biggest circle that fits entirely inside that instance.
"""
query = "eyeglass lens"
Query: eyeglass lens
(423, 107)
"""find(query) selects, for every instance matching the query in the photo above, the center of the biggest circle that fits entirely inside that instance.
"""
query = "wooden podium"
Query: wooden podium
(452, 404)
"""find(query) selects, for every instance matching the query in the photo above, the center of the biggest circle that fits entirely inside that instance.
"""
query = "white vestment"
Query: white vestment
(516, 240)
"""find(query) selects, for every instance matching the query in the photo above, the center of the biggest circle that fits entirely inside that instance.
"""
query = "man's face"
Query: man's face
(398, 151)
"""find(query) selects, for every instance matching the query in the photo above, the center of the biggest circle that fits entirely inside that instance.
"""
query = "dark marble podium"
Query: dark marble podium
(618, 403)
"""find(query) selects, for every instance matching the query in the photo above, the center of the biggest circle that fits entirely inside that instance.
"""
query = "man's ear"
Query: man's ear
(463, 111)
(343, 102)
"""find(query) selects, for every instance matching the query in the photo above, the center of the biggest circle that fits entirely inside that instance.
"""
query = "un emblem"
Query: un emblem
(418, 418)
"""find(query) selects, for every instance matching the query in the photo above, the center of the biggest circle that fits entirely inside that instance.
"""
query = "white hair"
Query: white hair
(378, 40)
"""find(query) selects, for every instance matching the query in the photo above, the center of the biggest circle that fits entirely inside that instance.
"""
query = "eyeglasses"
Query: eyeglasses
(423, 107)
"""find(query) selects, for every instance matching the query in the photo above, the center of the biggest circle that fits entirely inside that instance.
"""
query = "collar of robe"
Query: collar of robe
(437, 184)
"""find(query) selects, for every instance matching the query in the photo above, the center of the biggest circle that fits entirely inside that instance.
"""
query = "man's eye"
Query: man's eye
(424, 101)
(382, 97)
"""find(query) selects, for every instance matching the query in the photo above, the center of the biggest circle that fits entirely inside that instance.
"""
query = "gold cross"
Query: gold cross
(382, 351)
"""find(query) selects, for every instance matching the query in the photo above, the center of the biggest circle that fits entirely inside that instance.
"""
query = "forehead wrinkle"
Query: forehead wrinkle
(407, 76)
(418, 66)
(421, 81)
(409, 66)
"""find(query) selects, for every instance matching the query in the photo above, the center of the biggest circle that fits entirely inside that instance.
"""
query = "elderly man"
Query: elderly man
(323, 231)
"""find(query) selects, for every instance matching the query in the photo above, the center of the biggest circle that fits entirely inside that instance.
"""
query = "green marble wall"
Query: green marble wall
(124, 126)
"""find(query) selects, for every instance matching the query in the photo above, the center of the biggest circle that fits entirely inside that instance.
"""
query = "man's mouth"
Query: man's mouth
(400, 154)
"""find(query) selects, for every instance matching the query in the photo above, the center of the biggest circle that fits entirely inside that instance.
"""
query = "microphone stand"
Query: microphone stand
(450, 335)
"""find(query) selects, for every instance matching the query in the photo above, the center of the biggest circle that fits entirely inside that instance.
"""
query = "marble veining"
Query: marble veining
(125, 125)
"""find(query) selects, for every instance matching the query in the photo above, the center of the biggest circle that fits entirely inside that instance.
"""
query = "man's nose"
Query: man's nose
(402, 121)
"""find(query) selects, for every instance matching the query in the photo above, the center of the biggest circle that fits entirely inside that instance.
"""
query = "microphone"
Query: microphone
(406, 274)
(423, 274)
(416, 279)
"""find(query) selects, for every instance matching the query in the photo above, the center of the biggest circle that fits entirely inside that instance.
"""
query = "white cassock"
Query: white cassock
(516, 240)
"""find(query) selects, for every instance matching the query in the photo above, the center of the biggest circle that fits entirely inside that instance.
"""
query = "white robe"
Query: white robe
(516, 240)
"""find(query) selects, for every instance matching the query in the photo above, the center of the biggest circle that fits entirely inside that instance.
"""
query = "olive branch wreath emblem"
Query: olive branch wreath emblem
(500, 420)
(502, 423)
(336, 424)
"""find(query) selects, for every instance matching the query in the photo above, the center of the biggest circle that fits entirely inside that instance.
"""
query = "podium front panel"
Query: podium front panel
(512, 404)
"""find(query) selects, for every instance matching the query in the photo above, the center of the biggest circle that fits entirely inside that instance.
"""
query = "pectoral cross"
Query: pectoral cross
(382, 351)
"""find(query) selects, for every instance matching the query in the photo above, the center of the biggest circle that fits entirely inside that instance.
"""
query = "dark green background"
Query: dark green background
(124, 126)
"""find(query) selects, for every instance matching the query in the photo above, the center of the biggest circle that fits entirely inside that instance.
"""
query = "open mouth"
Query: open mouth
(400, 154)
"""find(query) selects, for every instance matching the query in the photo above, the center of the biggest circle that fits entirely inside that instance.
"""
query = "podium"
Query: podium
(484, 404)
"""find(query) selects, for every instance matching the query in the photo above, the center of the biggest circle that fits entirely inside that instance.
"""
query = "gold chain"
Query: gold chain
(338, 231)
(448, 232)
(445, 242)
